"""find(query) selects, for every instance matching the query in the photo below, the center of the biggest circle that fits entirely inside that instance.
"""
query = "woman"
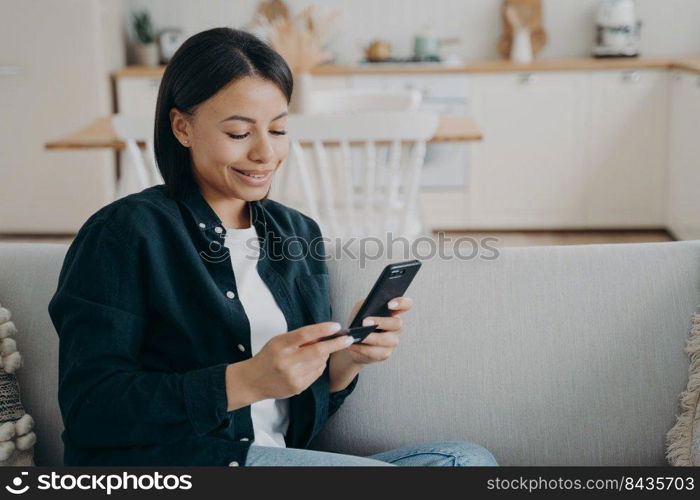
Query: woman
(172, 324)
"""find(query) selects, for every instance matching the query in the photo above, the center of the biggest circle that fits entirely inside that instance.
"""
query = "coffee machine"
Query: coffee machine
(617, 29)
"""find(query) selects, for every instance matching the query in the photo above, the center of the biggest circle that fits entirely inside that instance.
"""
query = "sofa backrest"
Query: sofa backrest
(567, 355)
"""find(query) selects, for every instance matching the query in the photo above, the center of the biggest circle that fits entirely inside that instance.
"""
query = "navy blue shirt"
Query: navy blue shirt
(148, 318)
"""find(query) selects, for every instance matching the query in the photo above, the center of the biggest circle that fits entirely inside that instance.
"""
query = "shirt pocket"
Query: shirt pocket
(314, 290)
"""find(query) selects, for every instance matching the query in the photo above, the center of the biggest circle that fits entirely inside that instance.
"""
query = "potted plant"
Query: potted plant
(145, 47)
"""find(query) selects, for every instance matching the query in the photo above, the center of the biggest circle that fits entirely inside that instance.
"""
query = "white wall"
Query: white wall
(65, 50)
(670, 26)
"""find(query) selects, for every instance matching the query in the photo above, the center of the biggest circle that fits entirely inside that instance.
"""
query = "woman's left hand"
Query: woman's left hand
(378, 346)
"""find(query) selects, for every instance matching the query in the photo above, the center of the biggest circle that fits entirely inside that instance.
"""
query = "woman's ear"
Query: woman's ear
(180, 126)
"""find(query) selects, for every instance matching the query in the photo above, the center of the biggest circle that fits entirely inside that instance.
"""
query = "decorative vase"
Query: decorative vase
(146, 54)
(521, 52)
(301, 96)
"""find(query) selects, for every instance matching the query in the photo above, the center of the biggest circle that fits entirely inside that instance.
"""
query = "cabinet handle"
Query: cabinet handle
(631, 76)
(526, 79)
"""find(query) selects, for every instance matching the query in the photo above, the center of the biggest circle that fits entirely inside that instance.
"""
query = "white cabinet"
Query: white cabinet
(570, 150)
(684, 157)
(137, 95)
(529, 170)
(626, 175)
(321, 82)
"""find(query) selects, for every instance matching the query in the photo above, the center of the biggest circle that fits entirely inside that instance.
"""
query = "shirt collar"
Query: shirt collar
(205, 217)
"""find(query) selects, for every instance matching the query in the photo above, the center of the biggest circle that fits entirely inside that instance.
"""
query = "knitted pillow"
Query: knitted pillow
(683, 440)
(16, 436)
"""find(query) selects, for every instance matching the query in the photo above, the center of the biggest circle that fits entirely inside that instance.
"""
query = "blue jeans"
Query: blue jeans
(434, 454)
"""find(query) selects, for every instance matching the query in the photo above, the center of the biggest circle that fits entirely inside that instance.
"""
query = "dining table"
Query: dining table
(101, 134)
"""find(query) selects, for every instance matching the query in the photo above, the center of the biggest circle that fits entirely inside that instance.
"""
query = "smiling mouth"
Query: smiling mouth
(254, 174)
(253, 177)
(251, 174)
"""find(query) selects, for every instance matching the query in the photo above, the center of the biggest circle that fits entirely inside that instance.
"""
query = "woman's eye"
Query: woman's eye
(241, 136)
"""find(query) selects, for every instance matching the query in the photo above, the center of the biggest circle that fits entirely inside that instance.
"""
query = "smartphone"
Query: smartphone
(393, 282)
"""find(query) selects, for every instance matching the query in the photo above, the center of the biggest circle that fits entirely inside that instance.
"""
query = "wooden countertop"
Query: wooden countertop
(692, 65)
(100, 134)
(686, 63)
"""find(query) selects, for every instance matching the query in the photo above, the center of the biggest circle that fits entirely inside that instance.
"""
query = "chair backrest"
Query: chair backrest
(139, 169)
(361, 100)
(358, 173)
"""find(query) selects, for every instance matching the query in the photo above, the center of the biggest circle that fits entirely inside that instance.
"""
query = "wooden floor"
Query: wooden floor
(504, 239)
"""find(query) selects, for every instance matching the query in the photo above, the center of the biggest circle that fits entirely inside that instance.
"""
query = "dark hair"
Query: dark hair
(203, 65)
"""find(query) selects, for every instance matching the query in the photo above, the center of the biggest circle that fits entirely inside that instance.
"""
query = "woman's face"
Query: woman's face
(236, 138)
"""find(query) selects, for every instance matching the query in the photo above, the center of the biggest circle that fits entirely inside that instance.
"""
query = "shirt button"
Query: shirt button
(218, 230)
(233, 464)
(241, 348)
(202, 225)
(230, 294)
(245, 439)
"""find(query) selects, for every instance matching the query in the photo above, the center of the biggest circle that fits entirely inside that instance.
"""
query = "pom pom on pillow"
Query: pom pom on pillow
(16, 436)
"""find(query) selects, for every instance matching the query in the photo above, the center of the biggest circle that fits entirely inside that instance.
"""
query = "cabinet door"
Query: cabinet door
(528, 170)
(626, 183)
(137, 95)
(321, 82)
(684, 157)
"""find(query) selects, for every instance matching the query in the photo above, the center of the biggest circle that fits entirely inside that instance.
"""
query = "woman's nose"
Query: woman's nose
(262, 151)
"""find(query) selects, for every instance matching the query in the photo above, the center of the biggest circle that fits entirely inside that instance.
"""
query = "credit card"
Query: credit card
(359, 333)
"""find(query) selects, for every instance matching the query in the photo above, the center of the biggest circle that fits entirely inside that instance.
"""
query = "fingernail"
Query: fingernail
(349, 340)
(393, 304)
(368, 322)
(334, 327)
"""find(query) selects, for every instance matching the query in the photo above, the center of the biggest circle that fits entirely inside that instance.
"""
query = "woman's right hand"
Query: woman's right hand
(283, 368)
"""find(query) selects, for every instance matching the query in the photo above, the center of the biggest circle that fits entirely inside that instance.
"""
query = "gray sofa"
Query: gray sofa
(568, 355)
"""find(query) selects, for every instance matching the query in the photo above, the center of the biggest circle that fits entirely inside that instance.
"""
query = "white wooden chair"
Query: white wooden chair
(358, 173)
(138, 167)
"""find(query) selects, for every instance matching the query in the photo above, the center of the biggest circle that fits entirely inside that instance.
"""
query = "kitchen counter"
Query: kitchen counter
(685, 63)
(100, 134)
(503, 66)
(690, 64)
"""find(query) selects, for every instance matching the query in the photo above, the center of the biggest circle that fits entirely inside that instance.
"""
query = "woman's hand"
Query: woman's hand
(378, 346)
(283, 367)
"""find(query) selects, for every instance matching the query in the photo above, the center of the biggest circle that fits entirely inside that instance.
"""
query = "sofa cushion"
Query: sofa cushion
(684, 438)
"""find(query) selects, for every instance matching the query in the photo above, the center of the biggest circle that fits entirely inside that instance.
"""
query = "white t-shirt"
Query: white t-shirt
(270, 416)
